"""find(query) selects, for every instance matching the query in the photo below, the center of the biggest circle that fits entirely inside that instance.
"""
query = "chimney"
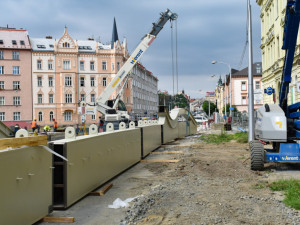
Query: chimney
(90, 39)
(48, 37)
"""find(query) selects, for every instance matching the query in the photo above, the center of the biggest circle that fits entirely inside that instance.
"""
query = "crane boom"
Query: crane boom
(131, 61)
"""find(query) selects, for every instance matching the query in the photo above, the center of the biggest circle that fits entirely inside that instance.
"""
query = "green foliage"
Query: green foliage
(224, 137)
(206, 106)
(291, 189)
(181, 101)
(227, 108)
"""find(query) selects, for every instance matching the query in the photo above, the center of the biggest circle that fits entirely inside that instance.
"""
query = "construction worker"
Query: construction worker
(55, 125)
(34, 125)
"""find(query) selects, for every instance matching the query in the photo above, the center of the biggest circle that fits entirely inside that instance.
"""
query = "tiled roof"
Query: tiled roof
(14, 39)
(256, 70)
(42, 44)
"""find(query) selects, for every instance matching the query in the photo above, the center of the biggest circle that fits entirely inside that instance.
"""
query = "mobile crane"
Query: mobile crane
(115, 110)
(280, 124)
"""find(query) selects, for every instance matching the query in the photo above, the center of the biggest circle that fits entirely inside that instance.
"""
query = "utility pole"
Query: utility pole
(250, 79)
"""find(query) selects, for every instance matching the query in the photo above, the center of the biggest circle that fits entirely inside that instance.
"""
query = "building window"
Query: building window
(17, 116)
(1, 69)
(50, 65)
(81, 65)
(16, 70)
(1, 42)
(112, 66)
(50, 98)
(1, 55)
(244, 87)
(81, 81)
(257, 84)
(92, 97)
(118, 66)
(16, 85)
(68, 116)
(127, 84)
(15, 55)
(2, 116)
(39, 64)
(51, 115)
(104, 82)
(16, 100)
(66, 45)
(93, 117)
(40, 116)
(68, 98)
(92, 65)
(82, 97)
(257, 101)
(92, 81)
(14, 42)
(22, 42)
(103, 65)
(244, 100)
(1, 84)
(127, 100)
(50, 81)
(68, 81)
(39, 82)
(40, 98)
(66, 64)
(2, 100)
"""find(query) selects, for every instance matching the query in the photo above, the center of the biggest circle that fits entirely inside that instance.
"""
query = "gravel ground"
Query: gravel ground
(210, 184)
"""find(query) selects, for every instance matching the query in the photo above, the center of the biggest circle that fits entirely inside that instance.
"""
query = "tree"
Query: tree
(206, 107)
(227, 109)
(181, 101)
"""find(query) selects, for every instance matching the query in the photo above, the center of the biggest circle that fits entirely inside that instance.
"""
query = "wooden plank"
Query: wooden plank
(161, 161)
(167, 152)
(103, 191)
(54, 219)
(22, 141)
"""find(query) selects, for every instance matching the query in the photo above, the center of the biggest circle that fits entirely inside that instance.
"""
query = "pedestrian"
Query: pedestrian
(55, 125)
(17, 127)
(34, 125)
(101, 123)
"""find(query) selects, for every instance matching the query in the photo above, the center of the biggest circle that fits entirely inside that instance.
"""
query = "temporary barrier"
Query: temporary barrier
(151, 138)
(26, 184)
(92, 161)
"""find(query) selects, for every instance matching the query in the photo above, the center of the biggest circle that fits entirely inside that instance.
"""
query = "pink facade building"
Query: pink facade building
(66, 72)
(240, 88)
(15, 78)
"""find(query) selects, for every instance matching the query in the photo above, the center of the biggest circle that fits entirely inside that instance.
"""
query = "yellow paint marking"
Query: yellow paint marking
(116, 82)
(280, 124)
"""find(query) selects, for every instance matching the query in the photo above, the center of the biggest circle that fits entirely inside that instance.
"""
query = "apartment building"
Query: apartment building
(67, 72)
(145, 92)
(15, 77)
(272, 16)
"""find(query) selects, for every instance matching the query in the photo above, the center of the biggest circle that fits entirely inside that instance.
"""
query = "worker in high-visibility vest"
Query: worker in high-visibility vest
(55, 125)
(34, 125)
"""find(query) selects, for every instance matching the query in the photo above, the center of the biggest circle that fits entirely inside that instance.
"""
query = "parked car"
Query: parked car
(200, 119)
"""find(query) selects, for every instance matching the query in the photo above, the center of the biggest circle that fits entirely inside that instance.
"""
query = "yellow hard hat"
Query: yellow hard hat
(34, 118)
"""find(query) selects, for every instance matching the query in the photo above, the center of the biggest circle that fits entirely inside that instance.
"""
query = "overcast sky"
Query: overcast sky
(207, 30)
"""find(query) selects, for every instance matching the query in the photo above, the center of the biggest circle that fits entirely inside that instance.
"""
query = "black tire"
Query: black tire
(257, 155)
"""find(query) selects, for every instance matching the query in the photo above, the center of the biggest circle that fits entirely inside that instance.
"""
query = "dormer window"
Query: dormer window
(14, 42)
(1, 42)
(41, 46)
(66, 45)
(22, 42)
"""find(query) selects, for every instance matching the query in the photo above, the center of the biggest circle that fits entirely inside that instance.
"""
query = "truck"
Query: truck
(115, 110)
(279, 125)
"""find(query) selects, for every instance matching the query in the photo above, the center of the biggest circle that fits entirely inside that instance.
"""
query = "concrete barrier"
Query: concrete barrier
(92, 161)
(151, 138)
(26, 185)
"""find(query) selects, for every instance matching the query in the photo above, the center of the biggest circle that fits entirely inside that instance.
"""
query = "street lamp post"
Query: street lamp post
(229, 67)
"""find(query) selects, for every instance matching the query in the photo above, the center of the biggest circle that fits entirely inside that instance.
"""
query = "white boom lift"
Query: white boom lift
(108, 107)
